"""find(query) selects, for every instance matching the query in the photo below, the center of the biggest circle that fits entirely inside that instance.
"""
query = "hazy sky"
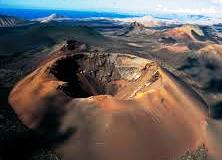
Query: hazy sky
(213, 7)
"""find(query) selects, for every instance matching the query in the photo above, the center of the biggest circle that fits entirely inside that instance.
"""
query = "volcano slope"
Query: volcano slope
(186, 33)
(102, 106)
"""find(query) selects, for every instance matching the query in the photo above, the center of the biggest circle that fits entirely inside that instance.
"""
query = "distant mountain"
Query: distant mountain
(199, 19)
(172, 19)
(147, 21)
(52, 17)
(189, 19)
(44, 36)
(10, 21)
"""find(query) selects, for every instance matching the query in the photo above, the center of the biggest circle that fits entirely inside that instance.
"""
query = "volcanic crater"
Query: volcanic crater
(105, 106)
(88, 75)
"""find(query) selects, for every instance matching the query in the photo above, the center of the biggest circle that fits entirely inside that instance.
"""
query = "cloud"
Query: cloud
(217, 1)
(209, 11)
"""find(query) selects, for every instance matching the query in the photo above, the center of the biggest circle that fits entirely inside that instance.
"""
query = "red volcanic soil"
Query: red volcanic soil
(179, 34)
(176, 48)
(112, 106)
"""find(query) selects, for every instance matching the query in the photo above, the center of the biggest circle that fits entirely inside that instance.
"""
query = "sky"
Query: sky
(205, 7)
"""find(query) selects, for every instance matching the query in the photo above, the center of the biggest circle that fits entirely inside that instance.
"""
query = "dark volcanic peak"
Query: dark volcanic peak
(134, 28)
(10, 21)
(73, 45)
(136, 25)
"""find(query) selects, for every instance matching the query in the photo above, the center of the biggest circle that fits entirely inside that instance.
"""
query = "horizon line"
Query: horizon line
(102, 10)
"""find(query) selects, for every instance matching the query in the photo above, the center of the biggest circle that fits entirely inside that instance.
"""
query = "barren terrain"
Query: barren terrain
(118, 91)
